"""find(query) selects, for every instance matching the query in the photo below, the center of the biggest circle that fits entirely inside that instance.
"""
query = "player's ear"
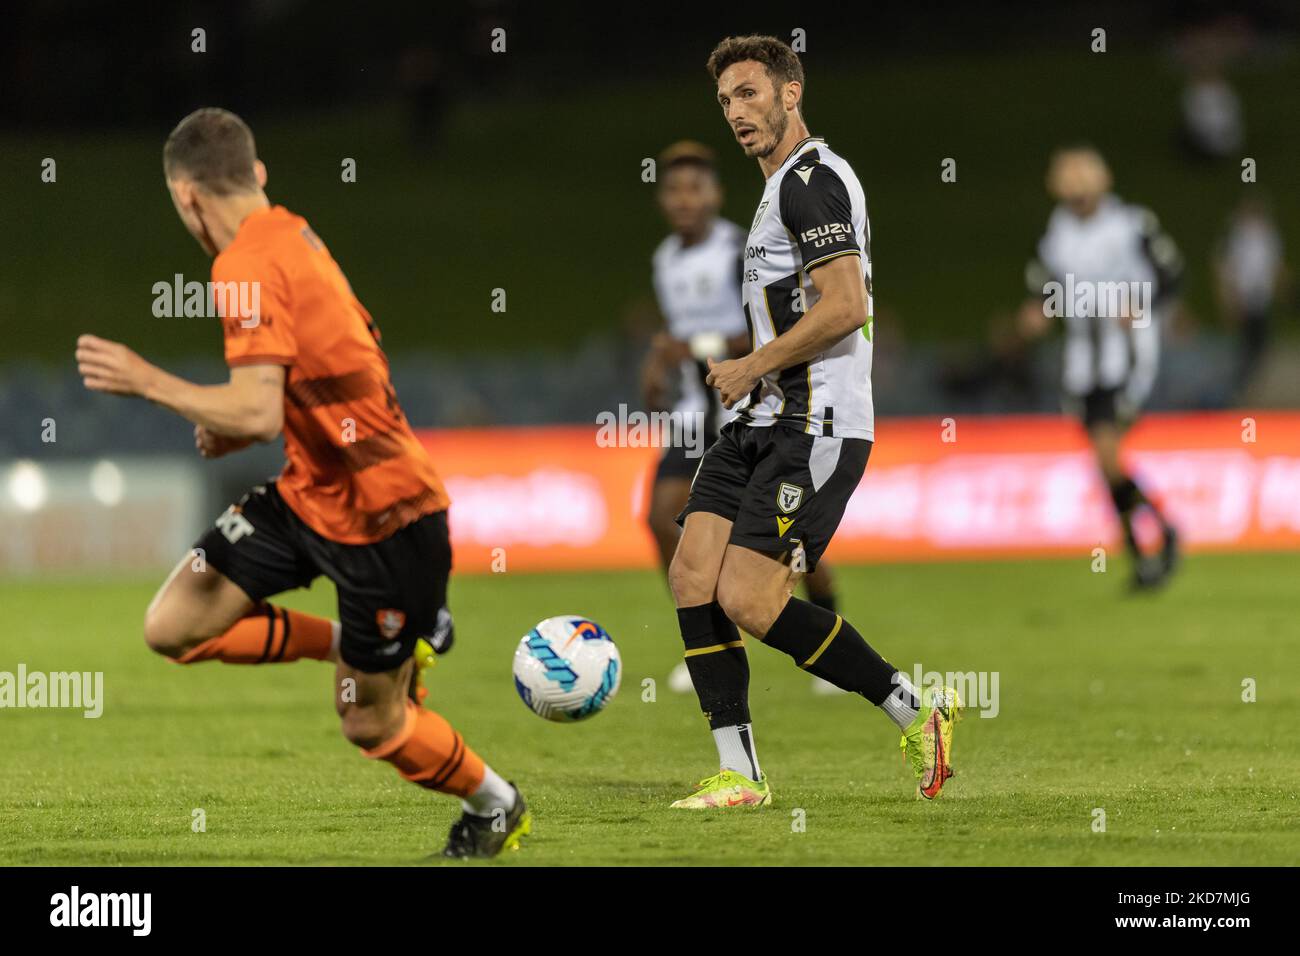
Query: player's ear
(791, 94)
(259, 170)
(182, 192)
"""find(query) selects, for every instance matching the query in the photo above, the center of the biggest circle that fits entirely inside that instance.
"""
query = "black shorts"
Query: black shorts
(780, 488)
(390, 593)
(1102, 406)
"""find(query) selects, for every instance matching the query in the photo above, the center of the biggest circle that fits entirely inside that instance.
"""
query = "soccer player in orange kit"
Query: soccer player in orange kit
(358, 500)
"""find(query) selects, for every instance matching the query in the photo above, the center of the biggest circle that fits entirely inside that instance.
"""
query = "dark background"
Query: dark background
(522, 171)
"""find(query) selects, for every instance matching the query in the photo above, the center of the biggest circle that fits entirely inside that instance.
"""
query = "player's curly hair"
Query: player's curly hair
(779, 61)
(215, 148)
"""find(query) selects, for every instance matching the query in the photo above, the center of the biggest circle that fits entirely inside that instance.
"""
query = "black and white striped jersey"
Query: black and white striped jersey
(1117, 254)
(698, 289)
(812, 210)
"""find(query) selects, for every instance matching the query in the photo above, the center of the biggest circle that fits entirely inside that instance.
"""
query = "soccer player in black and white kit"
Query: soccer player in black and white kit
(770, 492)
(697, 284)
(1125, 271)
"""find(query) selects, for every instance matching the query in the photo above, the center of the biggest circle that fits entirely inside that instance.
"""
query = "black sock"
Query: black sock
(825, 644)
(716, 660)
(1128, 497)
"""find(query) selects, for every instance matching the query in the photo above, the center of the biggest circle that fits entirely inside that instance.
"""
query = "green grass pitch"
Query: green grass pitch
(1128, 704)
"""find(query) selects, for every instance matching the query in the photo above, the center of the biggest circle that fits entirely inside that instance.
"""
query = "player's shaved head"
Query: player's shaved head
(214, 148)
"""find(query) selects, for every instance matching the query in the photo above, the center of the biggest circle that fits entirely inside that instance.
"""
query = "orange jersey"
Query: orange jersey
(355, 473)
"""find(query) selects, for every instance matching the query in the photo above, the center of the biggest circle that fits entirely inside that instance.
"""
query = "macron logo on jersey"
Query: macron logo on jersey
(804, 173)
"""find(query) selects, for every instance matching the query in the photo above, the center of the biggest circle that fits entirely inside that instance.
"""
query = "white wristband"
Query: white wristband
(708, 345)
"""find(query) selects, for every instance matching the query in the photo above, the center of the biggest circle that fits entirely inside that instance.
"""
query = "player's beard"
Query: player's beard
(777, 123)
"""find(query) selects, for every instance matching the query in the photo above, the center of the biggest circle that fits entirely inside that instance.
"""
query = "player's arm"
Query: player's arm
(250, 407)
(816, 208)
(654, 374)
(840, 311)
(1032, 320)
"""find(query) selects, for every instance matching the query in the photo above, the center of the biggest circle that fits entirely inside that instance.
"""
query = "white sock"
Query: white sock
(336, 636)
(736, 750)
(492, 794)
(903, 703)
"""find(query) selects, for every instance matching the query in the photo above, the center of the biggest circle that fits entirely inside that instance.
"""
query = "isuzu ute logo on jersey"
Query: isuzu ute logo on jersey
(825, 235)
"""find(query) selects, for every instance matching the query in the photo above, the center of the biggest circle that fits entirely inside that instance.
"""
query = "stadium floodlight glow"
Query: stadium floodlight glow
(107, 483)
(27, 485)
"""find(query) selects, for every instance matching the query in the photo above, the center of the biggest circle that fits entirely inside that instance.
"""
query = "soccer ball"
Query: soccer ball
(567, 668)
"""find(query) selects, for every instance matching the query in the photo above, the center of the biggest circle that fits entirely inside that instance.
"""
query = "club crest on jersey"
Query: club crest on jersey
(390, 621)
(789, 497)
(758, 216)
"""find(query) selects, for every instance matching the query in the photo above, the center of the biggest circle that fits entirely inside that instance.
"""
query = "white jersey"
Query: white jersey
(1118, 243)
(698, 288)
(813, 210)
(1252, 256)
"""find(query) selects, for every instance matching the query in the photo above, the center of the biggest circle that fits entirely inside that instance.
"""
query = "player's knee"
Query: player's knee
(749, 607)
(161, 635)
(368, 726)
(690, 583)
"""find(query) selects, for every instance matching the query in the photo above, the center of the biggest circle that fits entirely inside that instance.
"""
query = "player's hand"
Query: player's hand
(111, 367)
(734, 379)
(1032, 321)
(212, 445)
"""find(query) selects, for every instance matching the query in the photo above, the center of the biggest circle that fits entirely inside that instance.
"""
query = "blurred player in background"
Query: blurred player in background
(1096, 241)
(358, 500)
(770, 492)
(697, 273)
(1250, 272)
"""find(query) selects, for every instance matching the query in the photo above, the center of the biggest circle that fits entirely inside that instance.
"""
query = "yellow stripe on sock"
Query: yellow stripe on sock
(714, 648)
(825, 644)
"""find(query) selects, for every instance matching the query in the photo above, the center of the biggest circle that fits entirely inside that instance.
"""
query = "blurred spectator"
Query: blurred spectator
(1212, 121)
(1213, 126)
(1250, 269)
